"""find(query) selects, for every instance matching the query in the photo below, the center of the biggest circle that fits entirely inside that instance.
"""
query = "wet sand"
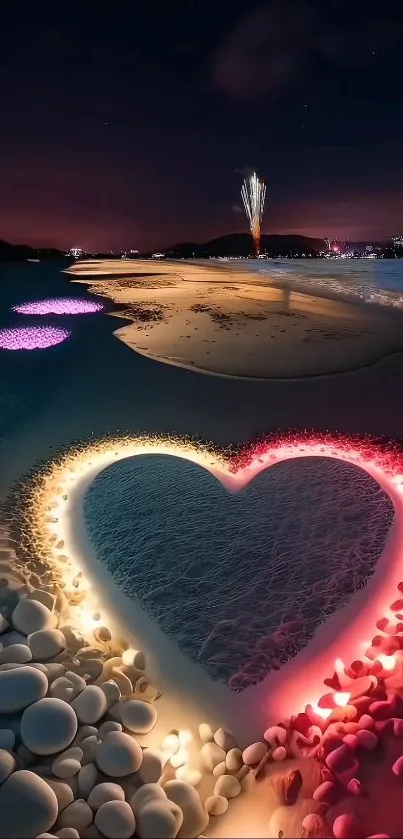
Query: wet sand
(230, 323)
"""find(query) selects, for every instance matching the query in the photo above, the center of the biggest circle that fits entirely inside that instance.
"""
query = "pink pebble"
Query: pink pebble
(351, 740)
(325, 792)
(397, 767)
(340, 759)
(354, 786)
(367, 739)
(345, 827)
(279, 754)
(380, 836)
(366, 722)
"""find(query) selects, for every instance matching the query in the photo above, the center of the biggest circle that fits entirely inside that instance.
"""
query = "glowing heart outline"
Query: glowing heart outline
(300, 681)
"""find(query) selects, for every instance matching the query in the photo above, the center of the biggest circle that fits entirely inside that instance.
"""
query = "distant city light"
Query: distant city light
(59, 306)
(76, 252)
(32, 337)
(253, 195)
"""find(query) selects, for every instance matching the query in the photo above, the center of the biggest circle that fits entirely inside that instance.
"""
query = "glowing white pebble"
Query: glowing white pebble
(134, 658)
(206, 733)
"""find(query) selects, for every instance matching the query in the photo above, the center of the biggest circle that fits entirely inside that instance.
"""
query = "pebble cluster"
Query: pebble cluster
(71, 714)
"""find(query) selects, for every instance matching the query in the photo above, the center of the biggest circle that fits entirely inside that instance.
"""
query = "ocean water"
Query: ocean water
(370, 280)
(238, 581)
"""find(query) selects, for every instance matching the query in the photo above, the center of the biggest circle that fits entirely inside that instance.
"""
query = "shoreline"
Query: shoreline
(233, 324)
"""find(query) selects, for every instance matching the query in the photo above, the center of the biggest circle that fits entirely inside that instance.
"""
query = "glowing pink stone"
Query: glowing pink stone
(59, 306)
(32, 337)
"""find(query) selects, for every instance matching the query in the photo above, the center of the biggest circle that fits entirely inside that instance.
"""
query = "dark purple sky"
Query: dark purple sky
(131, 128)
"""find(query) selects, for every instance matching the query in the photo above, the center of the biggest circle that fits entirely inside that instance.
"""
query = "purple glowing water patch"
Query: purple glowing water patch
(32, 337)
(59, 306)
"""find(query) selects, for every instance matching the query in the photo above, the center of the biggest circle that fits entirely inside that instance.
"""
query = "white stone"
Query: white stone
(28, 806)
(195, 818)
(211, 755)
(7, 765)
(139, 717)
(118, 755)
(206, 733)
(107, 727)
(54, 670)
(254, 753)
(68, 833)
(4, 624)
(68, 763)
(79, 684)
(228, 786)
(115, 818)
(78, 815)
(20, 688)
(16, 654)
(47, 836)
(48, 726)
(279, 754)
(170, 744)
(62, 791)
(46, 643)
(134, 658)
(216, 805)
(102, 793)
(220, 769)
(224, 739)
(158, 819)
(83, 732)
(30, 616)
(87, 779)
(151, 768)
(111, 691)
(90, 705)
(62, 689)
(44, 597)
(7, 739)
(233, 760)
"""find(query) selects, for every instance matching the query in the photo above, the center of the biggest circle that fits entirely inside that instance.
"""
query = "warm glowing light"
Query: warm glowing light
(322, 712)
(388, 661)
(253, 195)
(341, 698)
(339, 665)
(32, 337)
(59, 306)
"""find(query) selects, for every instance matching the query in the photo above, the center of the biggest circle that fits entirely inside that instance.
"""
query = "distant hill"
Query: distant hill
(10, 253)
(240, 244)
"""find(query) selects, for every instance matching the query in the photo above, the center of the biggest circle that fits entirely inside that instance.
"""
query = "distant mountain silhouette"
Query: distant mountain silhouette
(240, 244)
(10, 252)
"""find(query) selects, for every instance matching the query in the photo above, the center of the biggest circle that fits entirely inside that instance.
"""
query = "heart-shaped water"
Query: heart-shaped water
(239, 580)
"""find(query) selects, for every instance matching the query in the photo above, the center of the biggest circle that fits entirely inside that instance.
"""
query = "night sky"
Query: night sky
(129, 125)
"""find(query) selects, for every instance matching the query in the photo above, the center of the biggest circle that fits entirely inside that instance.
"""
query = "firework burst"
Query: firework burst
(253, 195)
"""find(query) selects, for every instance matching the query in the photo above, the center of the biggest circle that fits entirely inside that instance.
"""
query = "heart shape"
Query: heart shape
(241, 577)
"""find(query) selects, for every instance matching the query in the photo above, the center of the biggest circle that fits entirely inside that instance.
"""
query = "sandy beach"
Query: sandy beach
(106, 389)
(231, 323)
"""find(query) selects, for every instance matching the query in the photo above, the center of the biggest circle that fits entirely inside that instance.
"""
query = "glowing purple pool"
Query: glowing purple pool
(32, 337)
(59, 306)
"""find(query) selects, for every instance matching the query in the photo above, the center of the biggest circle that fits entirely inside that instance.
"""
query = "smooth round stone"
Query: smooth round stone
(151, 768)
(216, 805)
(102, 793)
(85, 731)
(118, 755)
(47, 836)
(44, 597)
(30, 616)
(139, 717)
(146, 793)
(115, 818)
(48, 726)
(62, 791)
(254, 754)
(134, 658)
(7, 764)
(157, 820)
(224, 739)
(68, 763)
(112, 692)
(220, 769)
(28, 806)
(68, 833)
(20, 688)
(87, 779)
(279, 754)
(78, 815)
(206, 733)
(195, 818)
(90, 705)
(13, 637)
(46, 643)
(108, 726)
(4, 624)
(62, 689)
(16, 654)
(7, 739)
(233, 760)
(88, 746)
(228, 786)
(212, 755)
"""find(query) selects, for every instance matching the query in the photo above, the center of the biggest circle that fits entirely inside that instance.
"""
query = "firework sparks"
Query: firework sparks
(253, 195)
